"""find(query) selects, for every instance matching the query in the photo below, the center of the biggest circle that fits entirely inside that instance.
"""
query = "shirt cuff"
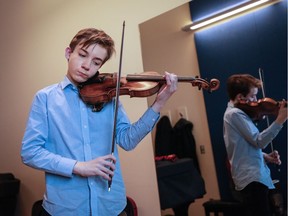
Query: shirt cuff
(150, 117)
(66, 166)
(276, 127)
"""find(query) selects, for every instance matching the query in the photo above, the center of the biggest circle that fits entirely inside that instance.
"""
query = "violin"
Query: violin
(258, 109)
(101, 88)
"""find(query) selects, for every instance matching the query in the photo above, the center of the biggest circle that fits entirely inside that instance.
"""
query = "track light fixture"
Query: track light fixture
(237, 10)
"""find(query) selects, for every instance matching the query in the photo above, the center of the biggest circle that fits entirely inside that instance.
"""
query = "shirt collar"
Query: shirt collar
(67, 83)
(230, 104)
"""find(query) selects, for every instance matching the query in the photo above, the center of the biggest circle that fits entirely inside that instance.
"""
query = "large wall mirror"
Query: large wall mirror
(242, 45)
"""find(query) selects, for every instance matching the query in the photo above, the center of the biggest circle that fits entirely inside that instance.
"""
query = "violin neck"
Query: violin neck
(155, 78)
(211, 85)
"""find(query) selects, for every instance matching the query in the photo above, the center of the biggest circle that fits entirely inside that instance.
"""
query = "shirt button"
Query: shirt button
(85, 126)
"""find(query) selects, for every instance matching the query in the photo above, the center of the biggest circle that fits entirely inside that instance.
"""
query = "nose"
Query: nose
(86, 64)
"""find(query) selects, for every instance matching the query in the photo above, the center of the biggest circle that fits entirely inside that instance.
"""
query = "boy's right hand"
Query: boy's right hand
(103, 166)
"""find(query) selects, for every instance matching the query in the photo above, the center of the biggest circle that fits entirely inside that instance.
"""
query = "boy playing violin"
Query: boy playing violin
(72, 144)
(244, 144)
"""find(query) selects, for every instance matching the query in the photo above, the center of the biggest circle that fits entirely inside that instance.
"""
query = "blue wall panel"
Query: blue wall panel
(243, 45)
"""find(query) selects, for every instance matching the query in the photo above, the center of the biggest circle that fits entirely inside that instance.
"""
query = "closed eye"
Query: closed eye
(97, 63)
(82, 54)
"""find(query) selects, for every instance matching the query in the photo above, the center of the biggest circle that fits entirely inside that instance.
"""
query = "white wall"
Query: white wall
(33, 37)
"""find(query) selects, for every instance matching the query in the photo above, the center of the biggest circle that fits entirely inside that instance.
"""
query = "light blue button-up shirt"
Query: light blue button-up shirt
(62, 130)
(244, 144)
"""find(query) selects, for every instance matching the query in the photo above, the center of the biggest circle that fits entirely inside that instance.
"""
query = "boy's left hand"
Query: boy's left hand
(166, 91)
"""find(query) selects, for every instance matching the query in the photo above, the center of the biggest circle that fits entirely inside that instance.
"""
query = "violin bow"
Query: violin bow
(261, 76)
(117, 101)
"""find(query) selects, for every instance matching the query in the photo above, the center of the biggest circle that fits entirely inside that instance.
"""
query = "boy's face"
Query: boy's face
(83, 63)
(252, 95)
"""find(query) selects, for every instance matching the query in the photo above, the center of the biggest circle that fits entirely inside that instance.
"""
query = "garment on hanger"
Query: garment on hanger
(164, 144)
(184, 141)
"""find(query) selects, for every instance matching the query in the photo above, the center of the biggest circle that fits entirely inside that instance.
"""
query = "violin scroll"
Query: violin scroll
(214, 84)
(202, 83)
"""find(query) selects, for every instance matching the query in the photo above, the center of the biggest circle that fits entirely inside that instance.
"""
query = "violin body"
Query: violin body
(258, 109)
(104, 91)
(102, 88)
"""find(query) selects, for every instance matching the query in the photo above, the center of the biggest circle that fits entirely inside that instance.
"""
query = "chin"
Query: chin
(80, 80)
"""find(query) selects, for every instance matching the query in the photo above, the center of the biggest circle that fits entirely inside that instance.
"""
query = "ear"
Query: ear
(240, 97)
(68, 52)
